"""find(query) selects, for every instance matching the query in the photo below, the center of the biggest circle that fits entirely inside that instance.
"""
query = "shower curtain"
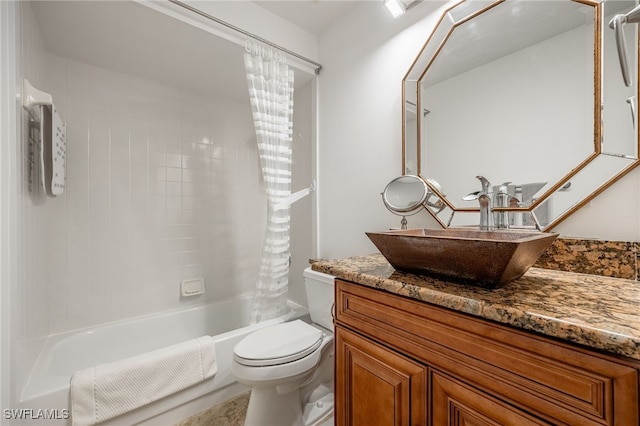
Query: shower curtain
(270, 84)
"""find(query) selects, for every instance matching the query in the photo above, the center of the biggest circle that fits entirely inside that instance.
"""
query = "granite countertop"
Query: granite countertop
(591, 310)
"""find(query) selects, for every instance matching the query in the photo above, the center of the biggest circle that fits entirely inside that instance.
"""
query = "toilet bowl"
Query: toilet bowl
(289, 366)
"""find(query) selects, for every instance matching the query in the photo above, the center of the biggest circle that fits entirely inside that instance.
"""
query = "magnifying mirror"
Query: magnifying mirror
(404, 196)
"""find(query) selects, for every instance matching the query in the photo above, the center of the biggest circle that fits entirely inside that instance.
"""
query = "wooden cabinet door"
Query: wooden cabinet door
(458, 404)
(376, 386)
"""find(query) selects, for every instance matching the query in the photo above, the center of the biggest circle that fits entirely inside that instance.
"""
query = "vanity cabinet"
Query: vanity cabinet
(400, 361)
(379, 386)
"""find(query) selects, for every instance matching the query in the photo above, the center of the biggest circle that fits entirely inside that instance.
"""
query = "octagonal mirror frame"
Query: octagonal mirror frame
(576, 179)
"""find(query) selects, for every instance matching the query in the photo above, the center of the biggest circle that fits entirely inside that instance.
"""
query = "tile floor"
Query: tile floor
(229, 413)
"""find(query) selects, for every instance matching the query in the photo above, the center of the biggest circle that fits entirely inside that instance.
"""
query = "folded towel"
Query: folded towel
(109, 390)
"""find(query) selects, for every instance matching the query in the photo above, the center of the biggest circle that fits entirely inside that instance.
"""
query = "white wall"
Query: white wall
(364, 61)
(302, 217)
(365, 58)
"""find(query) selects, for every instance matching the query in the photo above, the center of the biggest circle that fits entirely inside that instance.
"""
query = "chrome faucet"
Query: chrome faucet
(488, 200)
(485, 198)
(485, 212)
(502, 200)
(486, 185)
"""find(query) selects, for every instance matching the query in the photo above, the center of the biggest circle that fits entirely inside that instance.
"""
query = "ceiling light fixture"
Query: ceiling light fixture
(399, 7)
(395, 7)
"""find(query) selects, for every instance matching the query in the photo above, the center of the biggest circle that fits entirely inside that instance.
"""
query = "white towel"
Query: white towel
(108, 390)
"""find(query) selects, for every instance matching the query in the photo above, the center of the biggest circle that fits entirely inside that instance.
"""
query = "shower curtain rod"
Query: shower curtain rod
(246, 33)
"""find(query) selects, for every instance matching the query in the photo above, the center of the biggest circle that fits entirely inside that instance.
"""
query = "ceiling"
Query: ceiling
(314, 16)
(131, 38)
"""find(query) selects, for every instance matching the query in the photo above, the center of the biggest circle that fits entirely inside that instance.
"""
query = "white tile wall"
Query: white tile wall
(162, 186)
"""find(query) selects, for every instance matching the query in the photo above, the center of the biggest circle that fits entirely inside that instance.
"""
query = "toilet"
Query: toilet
(289, 366)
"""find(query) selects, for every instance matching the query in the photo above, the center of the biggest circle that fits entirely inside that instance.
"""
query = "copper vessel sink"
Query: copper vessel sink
(484, 258)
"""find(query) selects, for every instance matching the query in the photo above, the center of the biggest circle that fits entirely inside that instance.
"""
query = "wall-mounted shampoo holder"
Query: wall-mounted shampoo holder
(50, 141)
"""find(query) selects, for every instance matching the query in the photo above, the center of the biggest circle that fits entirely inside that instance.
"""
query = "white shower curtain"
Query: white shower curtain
(271, 91)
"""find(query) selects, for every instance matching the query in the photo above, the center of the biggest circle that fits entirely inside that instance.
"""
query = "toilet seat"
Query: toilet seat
(278, 344)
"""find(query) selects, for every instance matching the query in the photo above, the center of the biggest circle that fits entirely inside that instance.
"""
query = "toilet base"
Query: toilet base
(269, 408)
(319, 411)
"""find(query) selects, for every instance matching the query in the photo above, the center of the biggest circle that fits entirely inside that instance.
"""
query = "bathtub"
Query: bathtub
(63, 354)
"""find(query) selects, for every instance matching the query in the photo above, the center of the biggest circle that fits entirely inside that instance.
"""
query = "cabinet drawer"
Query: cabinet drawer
(558, 382)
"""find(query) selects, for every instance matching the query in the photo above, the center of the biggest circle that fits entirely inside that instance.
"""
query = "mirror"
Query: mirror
(404, 196)
(527, 93)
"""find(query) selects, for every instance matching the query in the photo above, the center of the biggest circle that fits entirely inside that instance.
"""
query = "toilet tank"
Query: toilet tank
(319, 287)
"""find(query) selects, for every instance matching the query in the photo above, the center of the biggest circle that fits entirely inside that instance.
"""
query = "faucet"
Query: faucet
(485, 212)
(488, 200)
(486, 186)
(502, 200)
(485, 198)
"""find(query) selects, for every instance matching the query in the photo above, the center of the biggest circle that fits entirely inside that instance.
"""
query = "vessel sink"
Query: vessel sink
(487, 259)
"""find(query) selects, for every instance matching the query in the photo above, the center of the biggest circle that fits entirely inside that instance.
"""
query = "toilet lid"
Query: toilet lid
(278, 344)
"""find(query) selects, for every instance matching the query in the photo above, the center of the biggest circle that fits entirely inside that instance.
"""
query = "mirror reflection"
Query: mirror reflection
(511, 90)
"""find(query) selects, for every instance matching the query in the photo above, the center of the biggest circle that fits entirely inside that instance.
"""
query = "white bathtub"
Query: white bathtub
(64, 354)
